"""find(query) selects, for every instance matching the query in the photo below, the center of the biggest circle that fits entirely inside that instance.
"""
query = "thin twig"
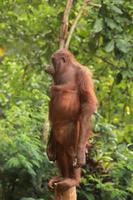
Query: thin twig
(64, 25)
(75, 22)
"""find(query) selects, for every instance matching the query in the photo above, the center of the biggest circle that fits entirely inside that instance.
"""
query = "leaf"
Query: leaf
(88, 196)
(119, 1)
(122, 45)
(111, 23)
(13, 162)
(110, 46)
(98, 26)
(116, 9)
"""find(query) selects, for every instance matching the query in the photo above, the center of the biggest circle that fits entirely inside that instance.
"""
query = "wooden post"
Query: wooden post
(67, 195)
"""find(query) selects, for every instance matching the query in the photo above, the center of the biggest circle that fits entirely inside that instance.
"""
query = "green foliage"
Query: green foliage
(29, 34)
(111, 174)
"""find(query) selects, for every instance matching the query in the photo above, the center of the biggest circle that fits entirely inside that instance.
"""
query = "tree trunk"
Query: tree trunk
(67, 195)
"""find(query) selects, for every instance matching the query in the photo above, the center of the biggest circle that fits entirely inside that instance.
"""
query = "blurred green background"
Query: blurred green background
(103, 41)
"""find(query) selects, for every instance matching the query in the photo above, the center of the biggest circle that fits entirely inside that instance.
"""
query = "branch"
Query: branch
(95, 5)
(106, 60)
(75, 22)
(64, 25)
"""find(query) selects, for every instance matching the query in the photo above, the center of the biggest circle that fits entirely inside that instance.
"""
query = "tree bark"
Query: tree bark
(67, 195)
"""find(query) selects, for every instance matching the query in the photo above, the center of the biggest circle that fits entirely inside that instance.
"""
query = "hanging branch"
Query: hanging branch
(75, 22)
(64, 25)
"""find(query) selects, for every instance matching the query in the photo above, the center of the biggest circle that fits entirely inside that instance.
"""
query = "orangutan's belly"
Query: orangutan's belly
(65, 105)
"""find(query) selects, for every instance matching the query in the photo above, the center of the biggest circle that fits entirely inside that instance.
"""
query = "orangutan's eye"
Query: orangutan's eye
(64, 60)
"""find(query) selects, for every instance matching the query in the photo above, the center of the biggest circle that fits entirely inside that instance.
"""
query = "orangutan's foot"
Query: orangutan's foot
(65, 184)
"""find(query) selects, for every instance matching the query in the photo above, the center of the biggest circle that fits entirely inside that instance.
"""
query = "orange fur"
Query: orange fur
(73, 101)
